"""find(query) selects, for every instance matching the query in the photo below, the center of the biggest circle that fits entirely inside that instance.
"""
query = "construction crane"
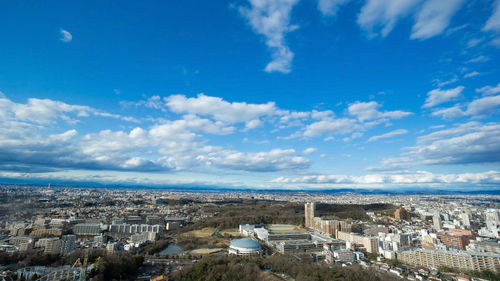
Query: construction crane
(82, 267)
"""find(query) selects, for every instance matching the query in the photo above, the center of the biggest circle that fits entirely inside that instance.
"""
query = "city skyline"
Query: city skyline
(269, 94)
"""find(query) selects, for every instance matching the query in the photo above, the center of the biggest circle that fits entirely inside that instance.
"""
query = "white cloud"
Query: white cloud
(367, 111)
(420, 177)
(438, 96)
(478, 59)
(392, 164)
(440, 83)
(66, 37)
(353, 136)
(467, 143)
(471, 74)
(489, 90)
(252, 124)
(449, 113)
(495, 42)
(379, 17)
(493, 23)
(219, 109)
(45, 111)
(388, 135)
(434, 17)
(483, 105)
(330, 7)
(274, 160)
(271, 18)
(330, 126)
(309, 150)
(473, 42)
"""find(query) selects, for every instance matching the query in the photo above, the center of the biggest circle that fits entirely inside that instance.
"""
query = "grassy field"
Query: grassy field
(205, 251)
(231, 231)
(201, 233)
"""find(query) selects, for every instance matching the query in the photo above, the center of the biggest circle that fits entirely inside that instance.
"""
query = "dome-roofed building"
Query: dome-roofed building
(245, 247)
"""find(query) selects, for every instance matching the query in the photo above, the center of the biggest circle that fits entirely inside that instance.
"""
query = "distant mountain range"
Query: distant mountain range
(361, 190)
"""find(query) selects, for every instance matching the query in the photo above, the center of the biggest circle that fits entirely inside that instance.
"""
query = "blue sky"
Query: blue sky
(282, 94)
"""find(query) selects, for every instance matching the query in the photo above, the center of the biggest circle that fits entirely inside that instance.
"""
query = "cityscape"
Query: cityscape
(74, 233)
(250, 140)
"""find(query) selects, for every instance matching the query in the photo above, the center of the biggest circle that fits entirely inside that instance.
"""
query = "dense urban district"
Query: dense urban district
(72, 233)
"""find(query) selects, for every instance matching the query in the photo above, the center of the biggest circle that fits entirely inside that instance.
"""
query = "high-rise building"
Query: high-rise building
(327, 226)
(309, 213)
(492, 221)
(436, 221)
(465, 219)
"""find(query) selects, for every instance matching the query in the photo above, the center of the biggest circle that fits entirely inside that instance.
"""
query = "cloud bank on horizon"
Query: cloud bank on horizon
(397, 94)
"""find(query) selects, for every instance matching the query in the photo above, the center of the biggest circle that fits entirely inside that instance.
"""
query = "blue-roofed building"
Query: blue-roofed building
(245, 247)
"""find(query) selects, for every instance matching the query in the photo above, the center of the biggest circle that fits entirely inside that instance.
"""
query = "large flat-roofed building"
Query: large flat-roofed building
(316, 242)
(17, 240)
(454, 240)
(50, 245)
(268, 235)
(485, 246)
(288, 236)
(87, 229)
(344, 255)
(370, 243)
(135, 228)
(298, 246)
(467, 261)
(46, 232)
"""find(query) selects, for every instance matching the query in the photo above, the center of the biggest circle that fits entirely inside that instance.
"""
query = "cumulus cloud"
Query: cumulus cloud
(219, 109)
(66, 37)
(489, 90)
(468, 143)
(483, 105)
(168, 145)
(379, 17)
(45, 111)
(449, 113)
(367, 115)
(438, 96)
(274, 160)
(309, 150)
(388, 135)
(367, 111)
(330, 126)
(434, 17)
(330, 7)
(271, 18)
